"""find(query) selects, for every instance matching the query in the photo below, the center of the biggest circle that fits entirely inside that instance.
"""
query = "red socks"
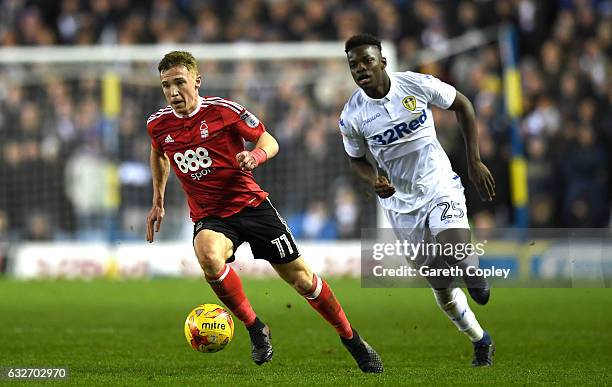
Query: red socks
(228, 287)
(321, 297)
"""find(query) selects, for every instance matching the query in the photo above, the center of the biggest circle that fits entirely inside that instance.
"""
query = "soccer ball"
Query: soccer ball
(209, 328)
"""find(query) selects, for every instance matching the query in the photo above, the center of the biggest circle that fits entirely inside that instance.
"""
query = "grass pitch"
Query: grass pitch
(131, 333)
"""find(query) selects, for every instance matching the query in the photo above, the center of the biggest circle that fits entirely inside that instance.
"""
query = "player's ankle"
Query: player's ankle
(256, 324)
(484, 340)
(347, 335)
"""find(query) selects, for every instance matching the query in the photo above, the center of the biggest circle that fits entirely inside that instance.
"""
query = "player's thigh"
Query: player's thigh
(454, 236)
(212, 249)
(449, 226)
(449, 212)
(412, 227)
(408, 227)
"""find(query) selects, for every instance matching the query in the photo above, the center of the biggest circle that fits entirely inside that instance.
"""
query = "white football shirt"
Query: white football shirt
(399, 131)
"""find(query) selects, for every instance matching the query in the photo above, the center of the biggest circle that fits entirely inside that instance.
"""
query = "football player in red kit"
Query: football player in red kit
(202, 139)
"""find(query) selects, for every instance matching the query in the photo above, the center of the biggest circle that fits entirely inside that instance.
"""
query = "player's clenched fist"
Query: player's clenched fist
(383, 187)
(154, 220)
(249, 160)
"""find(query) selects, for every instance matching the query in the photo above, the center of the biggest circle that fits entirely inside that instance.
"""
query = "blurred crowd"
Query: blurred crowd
(69, 171)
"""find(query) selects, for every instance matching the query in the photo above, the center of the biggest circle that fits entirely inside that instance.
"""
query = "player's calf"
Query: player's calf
(454, 304)
(477, 285)
(323, 300)
(317, 292)
(320, 296)
(227, 286)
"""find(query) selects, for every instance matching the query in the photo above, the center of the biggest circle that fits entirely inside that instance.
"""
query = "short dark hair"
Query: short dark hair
(178, 58)
(360, 40)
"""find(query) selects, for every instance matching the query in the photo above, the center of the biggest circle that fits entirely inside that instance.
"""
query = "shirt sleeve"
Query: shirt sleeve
(247, 125)
(438, 93)
(154, 143)
(354, 143)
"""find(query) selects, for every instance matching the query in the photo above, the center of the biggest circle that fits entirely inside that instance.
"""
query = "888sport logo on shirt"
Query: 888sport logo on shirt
(191, 160)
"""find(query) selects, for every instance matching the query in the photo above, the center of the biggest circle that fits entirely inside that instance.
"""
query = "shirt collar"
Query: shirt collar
(387, 97)
(193, 113)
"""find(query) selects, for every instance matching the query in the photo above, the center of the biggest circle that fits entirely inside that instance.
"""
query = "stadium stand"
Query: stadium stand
(566, 126)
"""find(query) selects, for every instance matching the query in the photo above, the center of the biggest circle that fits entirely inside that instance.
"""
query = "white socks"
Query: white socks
(454, 303)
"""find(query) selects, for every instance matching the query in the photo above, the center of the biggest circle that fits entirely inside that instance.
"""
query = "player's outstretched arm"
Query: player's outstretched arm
(160, 169)
(478, 173)
(266, 147)
(362, 168)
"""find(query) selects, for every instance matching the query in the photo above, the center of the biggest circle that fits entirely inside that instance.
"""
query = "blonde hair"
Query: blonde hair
(178, 58)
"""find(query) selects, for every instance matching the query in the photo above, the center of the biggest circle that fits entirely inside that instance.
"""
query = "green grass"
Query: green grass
(131, 333)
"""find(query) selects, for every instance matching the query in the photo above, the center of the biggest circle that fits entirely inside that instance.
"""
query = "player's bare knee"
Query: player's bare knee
(302, 282)
(297, 274)
(459, 238)
(211, 250)
(454, 236)
(211, 264)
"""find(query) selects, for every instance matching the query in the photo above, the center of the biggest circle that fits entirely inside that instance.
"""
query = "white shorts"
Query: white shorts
(445, 211)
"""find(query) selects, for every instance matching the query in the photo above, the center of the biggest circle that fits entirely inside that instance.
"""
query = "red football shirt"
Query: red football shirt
(202, 150)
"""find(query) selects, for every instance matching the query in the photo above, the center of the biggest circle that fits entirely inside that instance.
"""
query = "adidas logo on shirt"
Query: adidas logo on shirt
(169, 139)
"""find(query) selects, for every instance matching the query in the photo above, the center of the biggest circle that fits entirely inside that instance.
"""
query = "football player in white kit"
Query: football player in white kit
(422, 197)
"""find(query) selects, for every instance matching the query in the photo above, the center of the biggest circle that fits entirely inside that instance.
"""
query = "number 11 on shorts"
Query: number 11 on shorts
(278, 242)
